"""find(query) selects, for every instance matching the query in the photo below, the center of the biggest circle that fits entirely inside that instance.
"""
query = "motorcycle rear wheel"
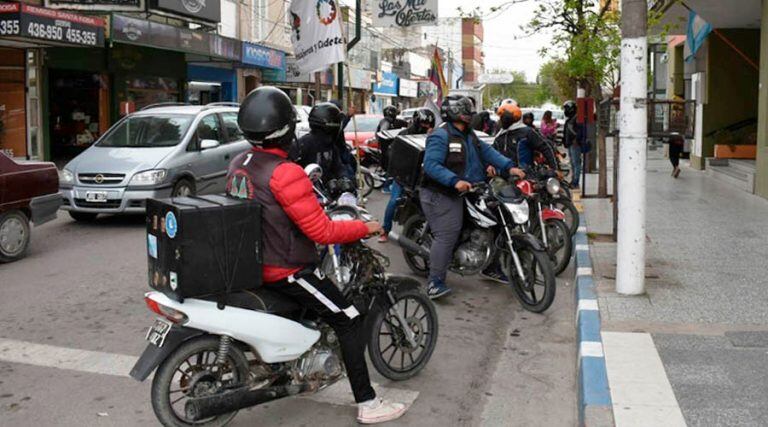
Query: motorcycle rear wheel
(387, 344)
(538, 291)
(412, 229)
(203, 350)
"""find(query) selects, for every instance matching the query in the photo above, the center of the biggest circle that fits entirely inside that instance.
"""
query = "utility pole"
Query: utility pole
(633, 128)
(350, 45)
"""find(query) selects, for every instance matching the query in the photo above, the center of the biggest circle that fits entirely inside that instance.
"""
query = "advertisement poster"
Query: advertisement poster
(403, 13)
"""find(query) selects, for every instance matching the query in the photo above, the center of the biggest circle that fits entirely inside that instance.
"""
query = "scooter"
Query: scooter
(211, 362)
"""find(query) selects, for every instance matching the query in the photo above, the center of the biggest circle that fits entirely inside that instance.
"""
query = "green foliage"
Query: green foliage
(555, 82)
(589, 35)
(525, 93)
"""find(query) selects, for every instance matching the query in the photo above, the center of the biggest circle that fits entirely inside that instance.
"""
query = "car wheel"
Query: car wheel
(183, 188)
(14, 235)
(83, 216)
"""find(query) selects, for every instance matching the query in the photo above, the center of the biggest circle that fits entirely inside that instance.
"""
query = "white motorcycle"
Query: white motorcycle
(262, 346)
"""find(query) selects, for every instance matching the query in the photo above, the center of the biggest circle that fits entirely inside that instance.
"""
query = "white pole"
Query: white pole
(633, 133)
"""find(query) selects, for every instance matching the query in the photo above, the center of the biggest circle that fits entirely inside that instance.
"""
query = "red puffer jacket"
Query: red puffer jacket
(293, 191)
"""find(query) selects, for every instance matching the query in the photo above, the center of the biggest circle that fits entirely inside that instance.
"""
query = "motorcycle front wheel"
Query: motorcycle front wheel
(572, 219)
(559, 243)
(537, 292)
(414, 229)
(191, 371)
(390, 351)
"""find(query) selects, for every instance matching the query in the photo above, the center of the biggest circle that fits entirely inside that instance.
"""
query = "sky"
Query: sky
(501, 48)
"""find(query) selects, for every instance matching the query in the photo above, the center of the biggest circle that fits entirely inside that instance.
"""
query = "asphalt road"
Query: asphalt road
(81, 288)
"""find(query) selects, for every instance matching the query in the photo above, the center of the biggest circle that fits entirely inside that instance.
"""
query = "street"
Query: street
(73, 320)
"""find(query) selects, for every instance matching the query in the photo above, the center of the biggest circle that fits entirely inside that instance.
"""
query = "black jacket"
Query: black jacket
(323, 149)
(520, 142)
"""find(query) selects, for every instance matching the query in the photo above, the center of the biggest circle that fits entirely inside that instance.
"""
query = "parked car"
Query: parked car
(407, 114)
(29, 192)
(157, 152)
(366, 125)
(302, 113)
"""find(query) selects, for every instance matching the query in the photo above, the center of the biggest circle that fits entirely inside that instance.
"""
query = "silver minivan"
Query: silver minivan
(157, 152)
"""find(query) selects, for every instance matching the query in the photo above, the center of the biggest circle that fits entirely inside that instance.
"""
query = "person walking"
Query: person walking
(676, 144)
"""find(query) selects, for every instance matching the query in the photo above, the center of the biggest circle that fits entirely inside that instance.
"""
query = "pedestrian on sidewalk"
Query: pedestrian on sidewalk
(549, 126)
(574, 140)
(676, 144)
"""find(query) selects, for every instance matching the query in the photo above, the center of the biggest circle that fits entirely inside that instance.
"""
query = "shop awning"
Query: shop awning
(27, 25)
(162, 36)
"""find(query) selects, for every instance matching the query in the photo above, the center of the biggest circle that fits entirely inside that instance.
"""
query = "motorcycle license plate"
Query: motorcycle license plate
(157, 333)
(96, 196)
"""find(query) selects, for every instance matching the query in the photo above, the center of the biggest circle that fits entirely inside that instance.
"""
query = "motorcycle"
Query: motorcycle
(210, 362)
(495, 226)
(547, 223)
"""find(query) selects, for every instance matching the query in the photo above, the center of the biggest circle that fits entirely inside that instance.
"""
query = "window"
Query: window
(209, 128)
(229, 121)
(148, 131)
(259, 20)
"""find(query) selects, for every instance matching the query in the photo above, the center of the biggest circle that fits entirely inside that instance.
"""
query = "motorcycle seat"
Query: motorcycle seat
(261, 299)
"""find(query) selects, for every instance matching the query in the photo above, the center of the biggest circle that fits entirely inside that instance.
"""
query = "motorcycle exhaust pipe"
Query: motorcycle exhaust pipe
(200, 408)
(409, 245)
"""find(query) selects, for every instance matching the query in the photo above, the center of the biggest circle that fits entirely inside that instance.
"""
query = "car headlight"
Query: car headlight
(66, 177)
(553, 186)
(150, 177)
(519, 212)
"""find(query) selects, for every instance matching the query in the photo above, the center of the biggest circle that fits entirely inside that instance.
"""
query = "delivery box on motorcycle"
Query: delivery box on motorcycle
(406, 159)
(203, 245)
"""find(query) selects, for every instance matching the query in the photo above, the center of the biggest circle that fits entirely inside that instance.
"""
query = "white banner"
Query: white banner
(316, 34)
(403, 13)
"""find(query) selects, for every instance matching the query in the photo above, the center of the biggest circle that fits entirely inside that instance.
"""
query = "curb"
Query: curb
(594, 397)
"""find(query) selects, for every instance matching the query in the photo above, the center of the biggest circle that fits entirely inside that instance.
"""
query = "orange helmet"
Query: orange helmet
(509, 106)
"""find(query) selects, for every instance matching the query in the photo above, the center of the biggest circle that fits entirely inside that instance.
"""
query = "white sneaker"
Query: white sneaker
(379, 411)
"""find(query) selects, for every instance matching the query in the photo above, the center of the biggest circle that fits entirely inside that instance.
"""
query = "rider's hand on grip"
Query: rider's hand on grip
(517, 171)
(463, 186)
(491, 171)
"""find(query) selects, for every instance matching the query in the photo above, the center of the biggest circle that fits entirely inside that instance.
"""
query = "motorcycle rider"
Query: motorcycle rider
(390, 120)
(321, 145)
(454, 159)
(519, 141)
(423, 122)
(293, 222)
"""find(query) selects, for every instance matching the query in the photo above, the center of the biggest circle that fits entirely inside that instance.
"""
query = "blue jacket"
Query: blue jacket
(475, 163)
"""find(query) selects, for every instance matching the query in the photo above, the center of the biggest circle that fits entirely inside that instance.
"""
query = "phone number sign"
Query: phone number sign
(37, 23)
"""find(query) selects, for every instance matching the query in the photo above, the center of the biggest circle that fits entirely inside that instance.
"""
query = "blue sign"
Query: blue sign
(171, 226)
(387, 86)
(263, 57)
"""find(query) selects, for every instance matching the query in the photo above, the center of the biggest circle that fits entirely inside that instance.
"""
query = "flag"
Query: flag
(698, 30)
(437, 77)
(316, 34)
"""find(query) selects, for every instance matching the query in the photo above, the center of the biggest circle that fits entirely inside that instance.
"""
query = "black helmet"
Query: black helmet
(391, 112)
(569, 109)
(528, 117)
(267, 117)
(457, 108)
(424, 117)
(326, 117)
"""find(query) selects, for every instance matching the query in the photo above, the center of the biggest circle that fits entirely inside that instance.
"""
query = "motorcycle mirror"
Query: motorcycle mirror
(314, 172)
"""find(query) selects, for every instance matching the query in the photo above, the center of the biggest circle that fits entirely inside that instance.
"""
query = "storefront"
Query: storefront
(360, 81)
(25, 32)
(408, 91)
(158, 63)
(301, 86)
(260, 64)
(384, 91)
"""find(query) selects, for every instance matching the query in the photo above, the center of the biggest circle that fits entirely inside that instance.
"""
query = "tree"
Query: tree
(525, 93)
(589, 34)
(555, 82)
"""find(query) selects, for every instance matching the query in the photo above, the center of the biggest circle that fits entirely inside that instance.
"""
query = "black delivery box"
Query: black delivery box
(385, 139)
(203, 245)
(406, 158)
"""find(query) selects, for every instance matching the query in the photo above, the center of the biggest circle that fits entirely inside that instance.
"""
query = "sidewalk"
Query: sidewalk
(697, 342)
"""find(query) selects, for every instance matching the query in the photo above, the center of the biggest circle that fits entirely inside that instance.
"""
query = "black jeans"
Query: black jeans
(314, 291)
(675, 149)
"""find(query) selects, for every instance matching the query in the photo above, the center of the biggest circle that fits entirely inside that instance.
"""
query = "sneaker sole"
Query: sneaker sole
(382, 419)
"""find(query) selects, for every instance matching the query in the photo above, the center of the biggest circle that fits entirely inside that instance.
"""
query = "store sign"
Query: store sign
(206, 10)
(155, 34)
(96, 4)
(294, 75)
(387, 84)
(409, 88)
(37, 23)
(360, 79)
(427, 90)
(263, 57)
(404, 13)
